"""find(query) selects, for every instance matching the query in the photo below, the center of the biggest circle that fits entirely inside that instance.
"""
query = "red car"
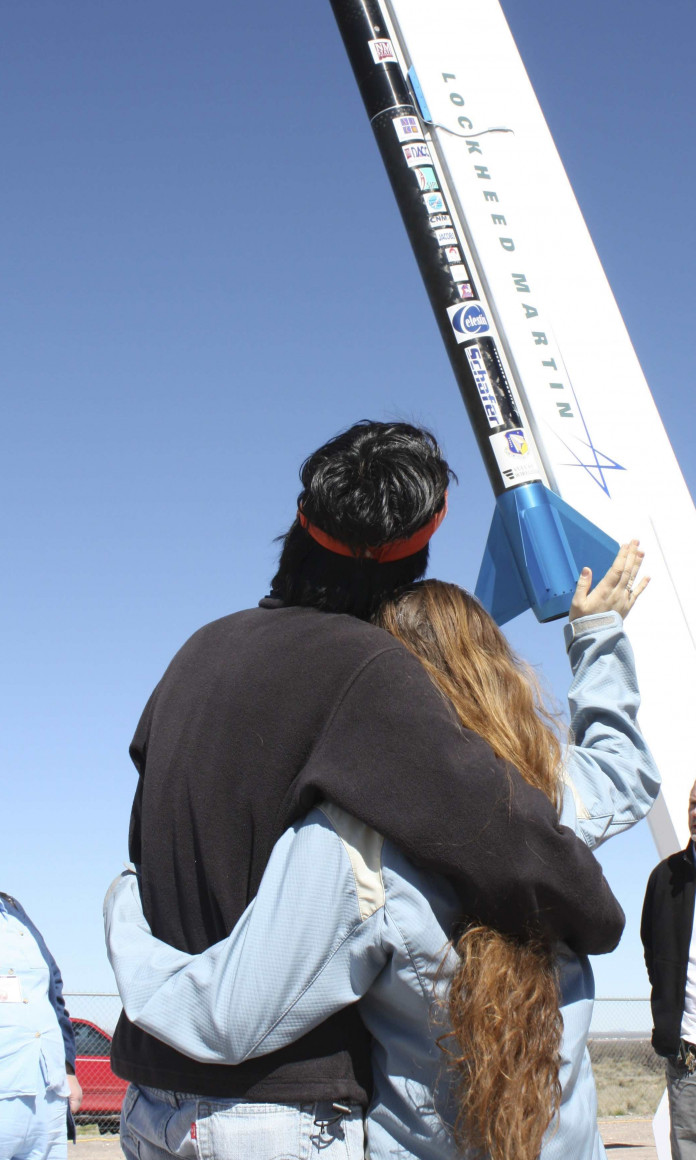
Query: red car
(102, 1091)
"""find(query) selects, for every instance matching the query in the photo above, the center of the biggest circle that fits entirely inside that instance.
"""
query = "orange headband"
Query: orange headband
(385, 553)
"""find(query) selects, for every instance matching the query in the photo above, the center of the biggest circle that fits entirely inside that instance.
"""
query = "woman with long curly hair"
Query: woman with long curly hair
(471, 1054)
(503, 999)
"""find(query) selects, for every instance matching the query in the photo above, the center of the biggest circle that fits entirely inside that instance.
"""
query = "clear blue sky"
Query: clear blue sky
(204, 276)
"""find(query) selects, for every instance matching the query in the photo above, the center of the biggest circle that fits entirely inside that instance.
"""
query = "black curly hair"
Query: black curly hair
(374, 483)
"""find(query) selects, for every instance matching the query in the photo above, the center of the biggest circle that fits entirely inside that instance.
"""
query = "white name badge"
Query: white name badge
(10, 989)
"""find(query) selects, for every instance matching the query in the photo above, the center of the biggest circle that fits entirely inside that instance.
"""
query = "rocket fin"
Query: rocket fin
(535, 551)
(589, 546)
(499, 586)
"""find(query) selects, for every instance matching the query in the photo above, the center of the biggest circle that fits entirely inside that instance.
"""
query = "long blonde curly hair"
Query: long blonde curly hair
(503, 1001)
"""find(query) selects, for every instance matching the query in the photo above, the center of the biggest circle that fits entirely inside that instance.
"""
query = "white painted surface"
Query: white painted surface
(661, 1129)
(604, 448)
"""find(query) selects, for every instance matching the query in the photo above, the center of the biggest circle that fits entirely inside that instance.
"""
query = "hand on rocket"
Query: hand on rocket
(617, 591)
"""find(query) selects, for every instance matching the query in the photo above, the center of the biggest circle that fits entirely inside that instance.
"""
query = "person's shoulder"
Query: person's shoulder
(272, 620)
(362, 641)
(341, 645)
(223, 632)
(15, 907)
(231, 623)
(680, 864)
(680, 859)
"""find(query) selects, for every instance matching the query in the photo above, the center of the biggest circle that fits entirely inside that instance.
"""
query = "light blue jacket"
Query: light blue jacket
(341, 916)
(36, 1036)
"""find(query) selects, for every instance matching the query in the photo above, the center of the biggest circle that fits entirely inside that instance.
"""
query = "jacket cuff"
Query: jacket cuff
(585, 625)
(69, 1067)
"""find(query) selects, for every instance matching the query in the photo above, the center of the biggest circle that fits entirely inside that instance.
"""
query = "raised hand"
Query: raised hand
(615, 592)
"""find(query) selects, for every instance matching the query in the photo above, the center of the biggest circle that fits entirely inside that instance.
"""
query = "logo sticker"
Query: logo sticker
(407, 128)
(468, 321)
(435, 203)
(440, 219)
(417, 154)
(484, 386)
(459, 273)
(466, 290)
(517, 442)
(514, 456)
(382, 51)
(452, 254)
(427, 178)
(446, 237)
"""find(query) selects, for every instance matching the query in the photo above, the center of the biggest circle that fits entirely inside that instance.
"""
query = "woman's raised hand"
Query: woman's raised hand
(615, 592)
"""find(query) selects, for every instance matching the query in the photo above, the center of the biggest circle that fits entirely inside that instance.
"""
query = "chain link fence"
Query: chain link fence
(94, 1017)
(629, 1076)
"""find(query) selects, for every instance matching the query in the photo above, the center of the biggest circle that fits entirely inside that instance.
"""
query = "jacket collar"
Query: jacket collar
(688, 854)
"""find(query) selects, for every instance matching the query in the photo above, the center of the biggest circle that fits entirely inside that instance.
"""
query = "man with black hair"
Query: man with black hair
(267, 711)
(379, 484)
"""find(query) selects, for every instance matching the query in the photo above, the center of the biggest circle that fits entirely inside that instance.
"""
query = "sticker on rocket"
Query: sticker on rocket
(466, 290)
(468, 321)
(435, 204)
(438, 219)
(416, 154)
(452, 254)
(514, 456)
(407, 128)
(382, 51)
(427, 178)
(459, 273)
(446, 237)
(484, 386)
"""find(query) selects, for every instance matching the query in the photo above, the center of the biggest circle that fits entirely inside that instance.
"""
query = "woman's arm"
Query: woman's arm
(612, 778)
(307, 946)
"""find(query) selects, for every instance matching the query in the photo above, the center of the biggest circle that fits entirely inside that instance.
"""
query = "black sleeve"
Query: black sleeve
(646, 924)
(138, 754)
(394, 755)
(138, 746)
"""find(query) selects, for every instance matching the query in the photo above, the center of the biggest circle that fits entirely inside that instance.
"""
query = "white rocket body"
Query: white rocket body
(599, 434)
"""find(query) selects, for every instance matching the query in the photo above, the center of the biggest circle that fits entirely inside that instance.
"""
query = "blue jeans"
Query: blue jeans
(158, 1124)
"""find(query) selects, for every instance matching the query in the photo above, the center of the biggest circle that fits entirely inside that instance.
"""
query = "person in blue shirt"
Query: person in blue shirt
(39, 1091)
(341, 916)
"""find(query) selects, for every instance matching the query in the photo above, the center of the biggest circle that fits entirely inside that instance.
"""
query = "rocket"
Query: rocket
(573, 443)
(538, 543)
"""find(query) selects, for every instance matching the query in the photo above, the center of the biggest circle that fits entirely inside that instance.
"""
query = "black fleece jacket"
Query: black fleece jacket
(267, 711)
(665, 929)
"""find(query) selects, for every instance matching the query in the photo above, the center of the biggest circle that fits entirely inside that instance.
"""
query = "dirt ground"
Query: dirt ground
(96, 1148)
(628, 1132)
(618, 1133)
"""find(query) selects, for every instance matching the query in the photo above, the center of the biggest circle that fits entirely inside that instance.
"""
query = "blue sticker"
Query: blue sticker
(484, 385)
(517, 442)
(468, 321)
(435, 203)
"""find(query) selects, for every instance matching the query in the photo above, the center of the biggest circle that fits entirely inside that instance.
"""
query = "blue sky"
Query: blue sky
(204, 276)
